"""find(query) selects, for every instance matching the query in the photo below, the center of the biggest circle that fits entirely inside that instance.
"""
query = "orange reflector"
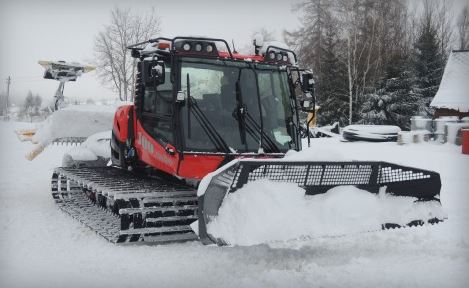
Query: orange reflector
(163, 45)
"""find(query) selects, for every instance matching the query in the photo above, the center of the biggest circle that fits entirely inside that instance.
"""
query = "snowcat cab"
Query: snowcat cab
(197, 108)
(203, 112)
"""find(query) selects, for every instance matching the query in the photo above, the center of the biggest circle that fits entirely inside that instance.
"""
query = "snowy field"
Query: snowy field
(42, 247)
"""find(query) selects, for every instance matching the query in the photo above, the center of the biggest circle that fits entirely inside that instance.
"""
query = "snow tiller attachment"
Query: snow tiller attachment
(420, 186)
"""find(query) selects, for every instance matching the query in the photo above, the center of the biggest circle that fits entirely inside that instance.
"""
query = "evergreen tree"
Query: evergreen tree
(394, 102)
(332, 90)
(28, 103)
(37, 101)
(2, 104)
(428, 63)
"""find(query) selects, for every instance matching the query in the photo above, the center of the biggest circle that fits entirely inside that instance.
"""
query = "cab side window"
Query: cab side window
(157, 108)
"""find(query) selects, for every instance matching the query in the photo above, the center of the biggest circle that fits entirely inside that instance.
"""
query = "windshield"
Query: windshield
(225, 93)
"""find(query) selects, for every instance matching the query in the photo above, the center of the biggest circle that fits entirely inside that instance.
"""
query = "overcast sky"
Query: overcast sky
(65, 30)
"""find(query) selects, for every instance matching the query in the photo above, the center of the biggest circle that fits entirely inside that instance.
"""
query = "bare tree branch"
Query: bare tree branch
(114, 65)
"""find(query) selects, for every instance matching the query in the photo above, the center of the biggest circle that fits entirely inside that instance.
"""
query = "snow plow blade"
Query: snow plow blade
(318, 178)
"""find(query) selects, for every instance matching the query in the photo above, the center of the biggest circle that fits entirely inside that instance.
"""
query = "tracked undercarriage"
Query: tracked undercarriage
(123, 207)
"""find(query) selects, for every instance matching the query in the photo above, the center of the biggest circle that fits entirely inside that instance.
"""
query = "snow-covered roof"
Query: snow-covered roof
(454, 87)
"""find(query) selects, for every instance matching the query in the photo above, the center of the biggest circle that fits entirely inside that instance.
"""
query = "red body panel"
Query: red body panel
(121, 119)
(153, 153)
(242, 57)
(192, 166)
(149, 151)
(196, 166)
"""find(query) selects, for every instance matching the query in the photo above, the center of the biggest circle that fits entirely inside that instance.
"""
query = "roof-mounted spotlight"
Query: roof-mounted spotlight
(196, 47)
(272, 56)
(281, 55)
(186, 47)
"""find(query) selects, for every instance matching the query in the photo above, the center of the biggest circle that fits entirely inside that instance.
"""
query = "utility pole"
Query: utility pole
(8, 95)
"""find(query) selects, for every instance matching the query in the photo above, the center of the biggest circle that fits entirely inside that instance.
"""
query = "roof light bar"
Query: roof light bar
(273, 56)
(177, 44)
(195, 47)
(279, 54)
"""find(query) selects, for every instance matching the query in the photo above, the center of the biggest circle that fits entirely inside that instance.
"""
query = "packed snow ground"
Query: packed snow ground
(42, 247)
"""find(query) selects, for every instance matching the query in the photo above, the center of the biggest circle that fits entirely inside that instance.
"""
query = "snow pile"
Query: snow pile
(97, 145)
(453, 92)
(265, 211)
(75, 121)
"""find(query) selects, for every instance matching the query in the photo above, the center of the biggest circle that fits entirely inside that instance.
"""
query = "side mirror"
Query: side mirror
(307, 101)
(307, 105)
(181, 96)
(307, 82)
(153, 72)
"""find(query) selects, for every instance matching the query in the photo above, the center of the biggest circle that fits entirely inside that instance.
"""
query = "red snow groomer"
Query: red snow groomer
(198, 106)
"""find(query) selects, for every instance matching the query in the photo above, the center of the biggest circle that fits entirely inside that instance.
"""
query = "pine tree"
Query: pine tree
(2, 104)
(428, 63)
(28, 103)
(37, 101)
(332, 90)
(394, 102)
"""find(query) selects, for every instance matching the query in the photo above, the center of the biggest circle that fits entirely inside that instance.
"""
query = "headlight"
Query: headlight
(209, 48)
(186, 47)
(272, 55)
(198, 47)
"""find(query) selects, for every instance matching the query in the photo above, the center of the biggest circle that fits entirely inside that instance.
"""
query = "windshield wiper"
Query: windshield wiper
(251, 126)
(209, 129)
(240, 113)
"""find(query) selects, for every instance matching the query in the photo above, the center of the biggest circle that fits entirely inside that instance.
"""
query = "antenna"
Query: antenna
(234, 49)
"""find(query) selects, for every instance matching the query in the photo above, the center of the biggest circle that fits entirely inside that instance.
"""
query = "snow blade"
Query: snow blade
(317, 178)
